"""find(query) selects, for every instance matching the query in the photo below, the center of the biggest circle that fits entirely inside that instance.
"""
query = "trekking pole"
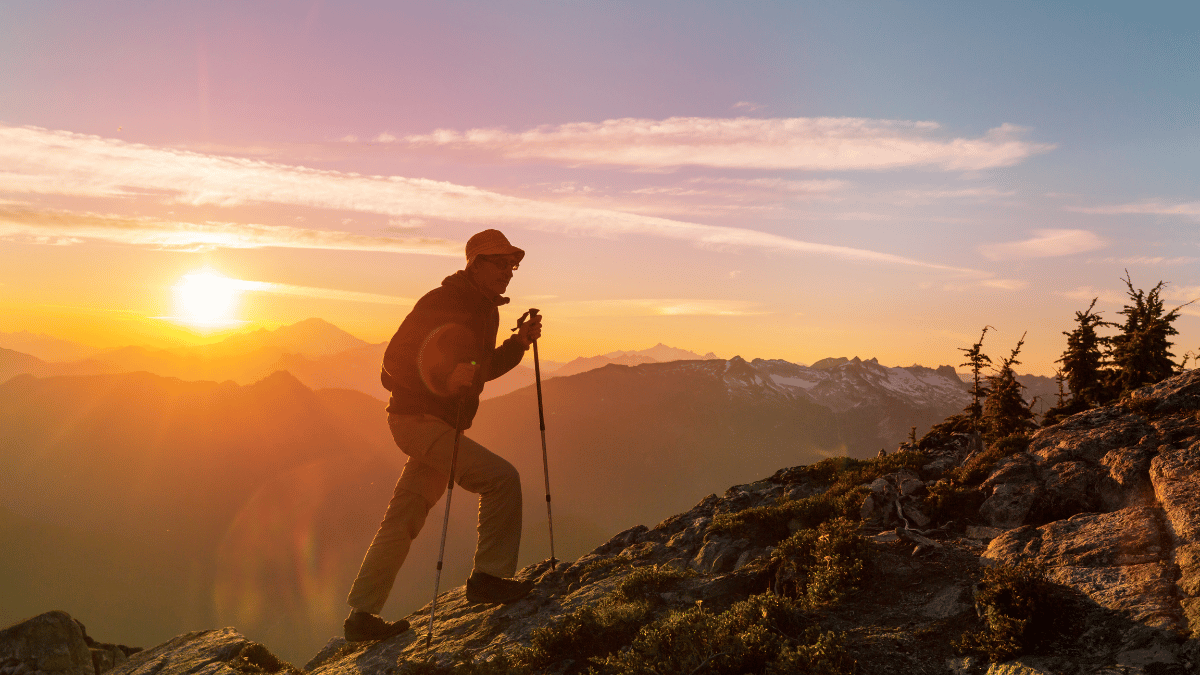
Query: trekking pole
(437, 580)
(537, 372)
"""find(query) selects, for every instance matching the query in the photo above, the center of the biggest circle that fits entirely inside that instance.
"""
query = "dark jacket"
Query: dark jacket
(460, 302)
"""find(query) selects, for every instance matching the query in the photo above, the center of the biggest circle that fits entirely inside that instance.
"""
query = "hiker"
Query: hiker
(435, 366)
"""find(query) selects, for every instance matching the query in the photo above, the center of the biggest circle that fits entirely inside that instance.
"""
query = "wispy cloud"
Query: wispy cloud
(657, 307)
(63, 227)
(783, 185)
(1187, 209)
(1005, 284)
(1044, 244)
(1087, 293)
(981, 194)
(323, 293)
(1145, 260)
(62, 163)
(748, 106)
(1181, 295)
(820, 143)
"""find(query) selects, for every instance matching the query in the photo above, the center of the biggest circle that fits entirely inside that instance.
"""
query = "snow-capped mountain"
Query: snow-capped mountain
(855, 383)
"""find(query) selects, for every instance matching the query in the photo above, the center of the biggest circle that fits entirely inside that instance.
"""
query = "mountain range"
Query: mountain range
(318, 353)
(251, 505)
(323, 356)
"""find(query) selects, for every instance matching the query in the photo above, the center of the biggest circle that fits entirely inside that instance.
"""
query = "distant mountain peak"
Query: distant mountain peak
(661, 352)
(46, 347)
(311, 337)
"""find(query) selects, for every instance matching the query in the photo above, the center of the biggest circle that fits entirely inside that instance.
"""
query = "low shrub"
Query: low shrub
(945, 501)
(1018, 610)
(645, 583)
(978, 468)
(603, 566)
(821, 566)
(254, 659)
(842, 474)
(1057, 414)
(762, 634)
(940, 433)
(769, 523)
(589, 632)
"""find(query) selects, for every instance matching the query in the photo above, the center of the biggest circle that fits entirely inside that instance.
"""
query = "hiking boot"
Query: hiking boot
(487, 588)
(364, 627)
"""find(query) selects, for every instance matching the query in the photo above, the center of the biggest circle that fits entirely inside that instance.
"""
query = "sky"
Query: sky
(785, 180)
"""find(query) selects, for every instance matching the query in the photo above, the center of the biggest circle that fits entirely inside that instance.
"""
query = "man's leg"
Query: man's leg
(498, 485)
(418, 489)
(499, 488)
(401, 523)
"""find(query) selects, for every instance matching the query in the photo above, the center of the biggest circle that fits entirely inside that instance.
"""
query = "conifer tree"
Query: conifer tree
(1141, 353)
(1005, 411)
(976, 359)
(1083, 361)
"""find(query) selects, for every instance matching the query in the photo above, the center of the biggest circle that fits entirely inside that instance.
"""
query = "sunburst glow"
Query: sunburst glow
(207, 299)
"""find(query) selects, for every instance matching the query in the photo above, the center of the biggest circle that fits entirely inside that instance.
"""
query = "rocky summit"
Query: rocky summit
(1075, 550)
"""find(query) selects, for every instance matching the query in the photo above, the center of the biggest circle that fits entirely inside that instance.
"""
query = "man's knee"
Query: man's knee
(501, 479)
(407, 510)
(509, 478)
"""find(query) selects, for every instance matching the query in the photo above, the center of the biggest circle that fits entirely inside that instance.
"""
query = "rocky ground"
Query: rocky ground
(1106, 504)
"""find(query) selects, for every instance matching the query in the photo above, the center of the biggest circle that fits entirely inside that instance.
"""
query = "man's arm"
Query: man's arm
(511, 351)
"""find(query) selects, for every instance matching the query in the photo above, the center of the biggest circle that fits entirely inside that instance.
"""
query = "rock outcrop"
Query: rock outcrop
(54, 643)
(212, 652)
(1109, 501)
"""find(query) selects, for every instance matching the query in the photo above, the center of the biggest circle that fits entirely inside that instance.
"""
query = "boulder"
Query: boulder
(1120, 560)
(946, 604)
(211, 652)
(1176, 394)
(1175, 475)
(1129, 468)
(719, 554)
(1073, 487)
(51, 643)
(1090, 435)
(1010, 503)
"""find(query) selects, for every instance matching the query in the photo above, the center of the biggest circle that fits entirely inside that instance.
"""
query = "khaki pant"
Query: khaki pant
(429, 444)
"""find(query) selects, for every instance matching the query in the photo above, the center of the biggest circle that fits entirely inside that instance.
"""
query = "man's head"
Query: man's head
(491, 260)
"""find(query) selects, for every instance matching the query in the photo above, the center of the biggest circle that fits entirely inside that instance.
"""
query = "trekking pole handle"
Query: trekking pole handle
(533, 312)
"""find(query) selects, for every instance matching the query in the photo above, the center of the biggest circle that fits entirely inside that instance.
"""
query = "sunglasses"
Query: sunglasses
(504, 262)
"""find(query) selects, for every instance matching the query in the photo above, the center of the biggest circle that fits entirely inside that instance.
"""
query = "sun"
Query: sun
(207, 299)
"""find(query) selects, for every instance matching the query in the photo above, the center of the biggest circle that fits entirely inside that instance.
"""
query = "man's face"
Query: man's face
(493, 272)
